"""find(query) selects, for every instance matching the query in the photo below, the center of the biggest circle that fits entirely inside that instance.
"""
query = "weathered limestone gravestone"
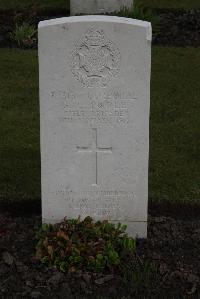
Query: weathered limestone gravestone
(94, 109)
(90, 7)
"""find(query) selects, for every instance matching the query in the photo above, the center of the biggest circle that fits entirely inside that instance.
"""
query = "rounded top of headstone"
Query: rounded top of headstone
(99, 18)
(95, 18)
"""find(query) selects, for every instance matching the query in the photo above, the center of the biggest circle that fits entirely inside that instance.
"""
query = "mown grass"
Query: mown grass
(175, 4)
(34, 4)
(174, 172)
(19, 125)
(175, 124)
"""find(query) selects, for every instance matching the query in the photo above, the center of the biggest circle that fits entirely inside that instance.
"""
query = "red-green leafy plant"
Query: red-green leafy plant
(83, 245)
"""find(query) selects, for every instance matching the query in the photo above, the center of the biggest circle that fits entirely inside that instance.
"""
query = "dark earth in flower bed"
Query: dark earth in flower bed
(176, 27)
(172, 249)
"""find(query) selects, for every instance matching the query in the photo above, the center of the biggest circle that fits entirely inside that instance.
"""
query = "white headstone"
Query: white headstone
(94, 109)
(89, 7)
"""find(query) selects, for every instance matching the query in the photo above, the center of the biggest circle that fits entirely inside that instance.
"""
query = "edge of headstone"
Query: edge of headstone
(98, 18)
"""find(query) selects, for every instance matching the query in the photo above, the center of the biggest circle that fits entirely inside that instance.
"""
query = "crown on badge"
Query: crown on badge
(94, 36)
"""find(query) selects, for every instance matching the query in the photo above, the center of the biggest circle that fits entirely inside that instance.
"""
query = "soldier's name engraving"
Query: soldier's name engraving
(109, 107)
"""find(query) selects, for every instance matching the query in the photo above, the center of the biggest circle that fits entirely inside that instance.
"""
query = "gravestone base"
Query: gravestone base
(90, 7)
(135, 229)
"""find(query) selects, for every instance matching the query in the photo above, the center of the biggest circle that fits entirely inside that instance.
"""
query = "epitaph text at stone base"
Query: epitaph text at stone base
(94, 112)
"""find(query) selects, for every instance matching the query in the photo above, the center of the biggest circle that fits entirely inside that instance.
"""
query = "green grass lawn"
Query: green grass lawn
(19, 125)
(34, 4)
(175, 122)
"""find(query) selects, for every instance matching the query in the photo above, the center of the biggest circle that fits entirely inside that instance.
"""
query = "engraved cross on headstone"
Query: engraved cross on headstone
(95, 149)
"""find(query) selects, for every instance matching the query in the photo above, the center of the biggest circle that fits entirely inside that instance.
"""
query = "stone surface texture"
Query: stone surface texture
(89, 7)
(94, 111)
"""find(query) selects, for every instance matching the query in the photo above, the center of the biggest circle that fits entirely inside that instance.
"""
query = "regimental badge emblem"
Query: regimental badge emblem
(95, 59)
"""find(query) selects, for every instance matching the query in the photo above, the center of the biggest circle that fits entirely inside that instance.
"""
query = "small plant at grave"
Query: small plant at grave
(24, 35)
(83, 245)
